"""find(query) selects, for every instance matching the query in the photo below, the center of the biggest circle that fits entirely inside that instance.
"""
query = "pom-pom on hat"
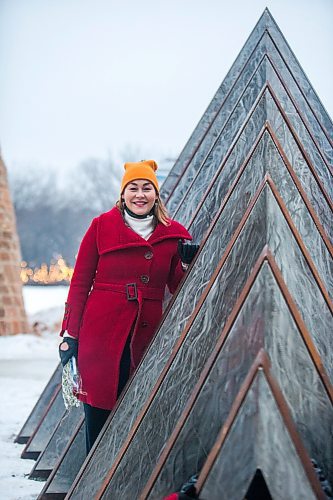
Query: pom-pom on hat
(144, 169)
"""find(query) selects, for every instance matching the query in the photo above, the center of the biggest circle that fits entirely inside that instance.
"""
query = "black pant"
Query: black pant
(95, 418)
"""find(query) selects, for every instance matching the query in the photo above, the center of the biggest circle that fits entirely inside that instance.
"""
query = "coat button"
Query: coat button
(144, 324)
(148, 255)
(144, 278)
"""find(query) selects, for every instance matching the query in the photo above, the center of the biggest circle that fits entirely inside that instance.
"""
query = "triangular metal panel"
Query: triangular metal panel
(194, 182)
(199, 213)
(170, 394)
(39, 439)
(299, 76)
(265, 38)
(260, 435)
(278, 70)
(264, 317)
(266, 157)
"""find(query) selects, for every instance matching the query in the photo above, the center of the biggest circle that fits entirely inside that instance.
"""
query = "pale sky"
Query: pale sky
(88, 78)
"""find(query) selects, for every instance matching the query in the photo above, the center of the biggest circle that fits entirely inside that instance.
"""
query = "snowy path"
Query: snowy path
(26, 364)
(20, 388)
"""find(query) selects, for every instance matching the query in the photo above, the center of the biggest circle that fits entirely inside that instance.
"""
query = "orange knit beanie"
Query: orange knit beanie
(144, 169)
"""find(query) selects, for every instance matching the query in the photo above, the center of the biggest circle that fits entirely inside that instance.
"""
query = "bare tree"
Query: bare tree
(95, 182)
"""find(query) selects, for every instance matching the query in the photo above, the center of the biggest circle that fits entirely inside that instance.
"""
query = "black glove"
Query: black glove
(187, 251)
(188, 488)
(65, 355)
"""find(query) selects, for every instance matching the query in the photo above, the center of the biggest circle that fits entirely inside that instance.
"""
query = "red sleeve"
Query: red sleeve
(81, 283)
(176, 274)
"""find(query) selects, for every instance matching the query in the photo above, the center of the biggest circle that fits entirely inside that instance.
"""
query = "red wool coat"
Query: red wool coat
(116, 290)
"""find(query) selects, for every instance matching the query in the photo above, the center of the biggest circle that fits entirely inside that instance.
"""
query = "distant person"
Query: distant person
(126, 259)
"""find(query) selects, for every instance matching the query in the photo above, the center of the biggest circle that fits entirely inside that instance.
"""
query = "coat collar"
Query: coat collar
(114, 234)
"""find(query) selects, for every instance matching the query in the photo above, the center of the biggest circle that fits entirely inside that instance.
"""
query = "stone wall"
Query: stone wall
(12, 313)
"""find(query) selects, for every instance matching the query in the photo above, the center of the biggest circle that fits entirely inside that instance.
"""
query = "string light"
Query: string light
(55, 273)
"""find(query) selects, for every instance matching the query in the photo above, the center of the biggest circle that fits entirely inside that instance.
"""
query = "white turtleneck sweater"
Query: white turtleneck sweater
(144, 227)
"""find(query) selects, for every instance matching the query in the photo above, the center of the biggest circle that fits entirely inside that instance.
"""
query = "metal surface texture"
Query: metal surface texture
(259, 437)
(63, 474)
(266, 33)
(57, 443)
(300, 161)
(200, 215)
(262, 320)
(265, 224)
(194, 182)
(46, 427)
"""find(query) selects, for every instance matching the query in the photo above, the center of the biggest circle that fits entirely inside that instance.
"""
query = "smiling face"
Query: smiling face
(139, 196)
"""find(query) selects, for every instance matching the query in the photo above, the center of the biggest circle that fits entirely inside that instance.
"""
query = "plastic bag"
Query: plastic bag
(71, 384)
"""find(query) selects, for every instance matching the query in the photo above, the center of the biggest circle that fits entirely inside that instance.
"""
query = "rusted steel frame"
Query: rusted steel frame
(304, 121)
(265, 256)
(262, 362)
(44, 494)
(218, 111)
(218, 172)
(19, 436)
(298, 185)
(178, 344)
(25, 452)
(327, 135)
(300, 146)
(240, 130)
(312, 350)
(300, 243)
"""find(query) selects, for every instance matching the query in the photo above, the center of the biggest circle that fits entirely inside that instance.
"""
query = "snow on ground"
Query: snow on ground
(39, 298)
(26, 363)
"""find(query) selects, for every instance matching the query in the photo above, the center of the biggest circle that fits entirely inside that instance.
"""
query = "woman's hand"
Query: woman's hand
(187, 251)
(67, 349)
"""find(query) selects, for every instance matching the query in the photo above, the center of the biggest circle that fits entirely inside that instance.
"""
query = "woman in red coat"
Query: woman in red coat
(126, 259)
